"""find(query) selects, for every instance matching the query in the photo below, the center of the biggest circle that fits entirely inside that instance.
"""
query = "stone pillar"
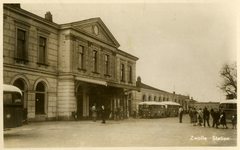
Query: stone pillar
(31, 106)
(67, 102)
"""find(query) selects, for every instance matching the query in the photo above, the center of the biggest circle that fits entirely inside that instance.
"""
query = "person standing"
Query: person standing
(180, 112)
(216, 117)
(25, 114)
(200, 117)
(223, 119)
(191, 115)
(206, 115)
(94, 112)
(194, 116)
(234, 121)
(103, 114)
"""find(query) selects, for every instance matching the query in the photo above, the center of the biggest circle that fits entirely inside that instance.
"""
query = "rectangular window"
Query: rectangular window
(94, 61)
(129, 74)
(42, 50)
(80, 57)
(122, 72)
(106, 64)
(21, 44)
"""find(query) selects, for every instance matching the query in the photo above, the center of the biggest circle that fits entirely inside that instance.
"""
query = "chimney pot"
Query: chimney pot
(48, 16)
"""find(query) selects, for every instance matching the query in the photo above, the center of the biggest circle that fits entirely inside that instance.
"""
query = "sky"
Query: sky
(181, 46)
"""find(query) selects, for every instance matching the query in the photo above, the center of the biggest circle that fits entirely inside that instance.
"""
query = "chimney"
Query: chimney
(139, 81)
(48, 16)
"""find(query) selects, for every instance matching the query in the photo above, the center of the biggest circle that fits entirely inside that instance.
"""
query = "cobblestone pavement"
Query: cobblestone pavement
(160, 132)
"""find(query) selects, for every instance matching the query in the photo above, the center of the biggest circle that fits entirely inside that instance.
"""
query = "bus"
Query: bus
(171, 108)
(151, 109)
(13, 106)
(229, 107)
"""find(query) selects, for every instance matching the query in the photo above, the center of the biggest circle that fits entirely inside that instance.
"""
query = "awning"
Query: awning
(91, 81)
(123, 86)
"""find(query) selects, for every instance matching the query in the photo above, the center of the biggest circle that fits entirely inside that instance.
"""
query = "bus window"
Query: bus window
(221, 106)
(232, 106)
(8, 99)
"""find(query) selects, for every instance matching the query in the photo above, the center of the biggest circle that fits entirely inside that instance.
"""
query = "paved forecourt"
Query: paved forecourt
(127, 133)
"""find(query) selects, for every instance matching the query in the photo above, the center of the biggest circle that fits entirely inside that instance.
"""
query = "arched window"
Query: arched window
(155, 98)
(149, 98)
(21, 85)
(40, 98)
(159, 99)
(167, 99)
(143, 98)
(164, 99)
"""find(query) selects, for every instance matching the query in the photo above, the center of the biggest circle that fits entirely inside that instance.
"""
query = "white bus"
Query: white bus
(150, 109)
(229, 107)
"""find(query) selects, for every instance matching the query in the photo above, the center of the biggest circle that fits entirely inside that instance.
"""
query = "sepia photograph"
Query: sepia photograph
(119, 74)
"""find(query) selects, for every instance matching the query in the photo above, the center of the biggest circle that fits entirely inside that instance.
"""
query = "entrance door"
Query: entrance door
(39, 103)
(80, 106)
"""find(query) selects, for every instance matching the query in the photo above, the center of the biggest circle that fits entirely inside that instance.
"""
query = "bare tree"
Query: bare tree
(229, 84)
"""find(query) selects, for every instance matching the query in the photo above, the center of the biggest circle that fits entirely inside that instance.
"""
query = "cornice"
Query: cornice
(5, 66)
(30, 15)
(88, 34)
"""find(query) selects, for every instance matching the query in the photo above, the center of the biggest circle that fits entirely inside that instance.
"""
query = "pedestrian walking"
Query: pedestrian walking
(206, 115)
(25, 114)
(103, 114)
(109, 113)
(211, 112)
(216, 117)
(234, 121)
(191, 115)
(194, 116)
(223, 119)
(121, 113)
(94, 112)
(118, 113)
(180, 112)
(200, 117)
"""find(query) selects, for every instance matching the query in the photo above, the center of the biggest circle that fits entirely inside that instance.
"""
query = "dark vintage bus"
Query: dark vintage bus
(151, 109)
(12, 106)
(229, 107)
(171, 108)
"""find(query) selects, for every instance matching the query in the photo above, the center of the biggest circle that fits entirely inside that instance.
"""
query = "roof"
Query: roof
(145, 86)
(234, 101)
(151, 103)
(11, 88)
(170, 103)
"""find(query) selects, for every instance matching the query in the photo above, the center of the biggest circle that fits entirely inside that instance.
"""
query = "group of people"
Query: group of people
(201, 117)
(107, 113)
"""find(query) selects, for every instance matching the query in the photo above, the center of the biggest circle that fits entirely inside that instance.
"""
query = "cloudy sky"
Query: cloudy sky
(180, 46)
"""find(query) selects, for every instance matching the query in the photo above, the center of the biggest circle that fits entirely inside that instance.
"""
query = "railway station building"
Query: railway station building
(63, 69)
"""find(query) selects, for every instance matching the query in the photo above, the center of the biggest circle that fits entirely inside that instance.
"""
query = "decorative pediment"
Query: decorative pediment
(96, 28)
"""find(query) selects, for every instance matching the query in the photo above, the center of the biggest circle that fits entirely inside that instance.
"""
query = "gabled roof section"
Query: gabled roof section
(145, 86)
(95, 28)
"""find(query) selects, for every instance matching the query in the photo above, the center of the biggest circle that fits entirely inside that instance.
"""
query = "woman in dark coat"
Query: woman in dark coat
(103, 114)
(223, 119)
(194, 116)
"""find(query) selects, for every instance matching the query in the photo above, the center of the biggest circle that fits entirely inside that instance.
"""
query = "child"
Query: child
(234, 121)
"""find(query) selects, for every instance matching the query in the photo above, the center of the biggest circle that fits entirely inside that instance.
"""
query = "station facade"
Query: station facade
(63, 69)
